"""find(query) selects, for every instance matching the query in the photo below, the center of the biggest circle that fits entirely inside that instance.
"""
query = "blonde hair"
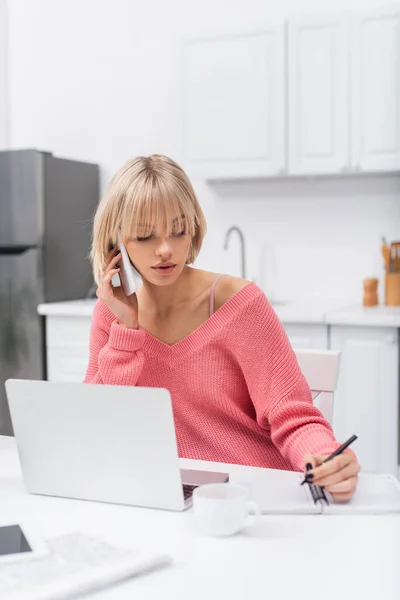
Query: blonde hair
(142, 192)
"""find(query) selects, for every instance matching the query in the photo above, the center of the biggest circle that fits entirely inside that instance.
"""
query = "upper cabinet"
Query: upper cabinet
(318, 92)
(234, 105)
(375, 110)
(317, 95)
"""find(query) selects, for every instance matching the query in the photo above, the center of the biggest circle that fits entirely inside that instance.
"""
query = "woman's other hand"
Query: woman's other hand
(338, 476)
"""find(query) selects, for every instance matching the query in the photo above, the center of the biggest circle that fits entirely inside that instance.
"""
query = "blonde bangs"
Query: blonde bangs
(144, 195)
(153, 205)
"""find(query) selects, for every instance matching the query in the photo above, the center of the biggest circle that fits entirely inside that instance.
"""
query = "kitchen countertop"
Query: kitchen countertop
(328, 312)
(70, 308)
(374, 316)
(304, 311)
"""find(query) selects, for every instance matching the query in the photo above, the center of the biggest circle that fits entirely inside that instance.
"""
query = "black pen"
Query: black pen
(336, 453)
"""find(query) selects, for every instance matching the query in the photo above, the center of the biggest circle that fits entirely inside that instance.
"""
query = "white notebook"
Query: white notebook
(280, 492)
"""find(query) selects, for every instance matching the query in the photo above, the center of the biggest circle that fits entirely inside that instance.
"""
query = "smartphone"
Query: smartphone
(127, 274)
(18, 541)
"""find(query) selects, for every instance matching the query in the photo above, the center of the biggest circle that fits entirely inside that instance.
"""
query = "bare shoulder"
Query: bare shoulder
(227, 287)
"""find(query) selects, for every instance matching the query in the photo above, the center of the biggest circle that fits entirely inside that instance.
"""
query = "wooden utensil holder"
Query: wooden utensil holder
(392, 289)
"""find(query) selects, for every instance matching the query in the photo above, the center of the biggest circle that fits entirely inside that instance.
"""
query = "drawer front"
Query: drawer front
(67, 364)
(67, 331)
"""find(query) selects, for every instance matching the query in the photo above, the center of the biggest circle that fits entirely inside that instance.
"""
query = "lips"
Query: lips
(161, 265)
(164, 269)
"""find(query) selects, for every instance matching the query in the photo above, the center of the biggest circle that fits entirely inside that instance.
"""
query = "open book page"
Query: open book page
(76, 564)
(280, 492)
(375, 494)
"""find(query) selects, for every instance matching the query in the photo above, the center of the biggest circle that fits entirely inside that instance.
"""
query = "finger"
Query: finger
(110, 275)
(310, 461)
(350, 470)
(112, 251)
(339, 498)
(336, 464)
(343, 487)
(113, 262)
(314, 459)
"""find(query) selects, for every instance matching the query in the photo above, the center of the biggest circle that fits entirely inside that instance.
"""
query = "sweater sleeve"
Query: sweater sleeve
(278, 389)
(116, 355)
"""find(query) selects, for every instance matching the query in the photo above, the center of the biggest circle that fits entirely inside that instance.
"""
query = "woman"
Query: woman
(213, 341)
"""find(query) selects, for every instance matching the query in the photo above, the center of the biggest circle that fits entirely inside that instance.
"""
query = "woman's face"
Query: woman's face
(160, 257)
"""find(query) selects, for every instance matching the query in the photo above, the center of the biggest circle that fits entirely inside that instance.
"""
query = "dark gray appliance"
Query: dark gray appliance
(46, 210)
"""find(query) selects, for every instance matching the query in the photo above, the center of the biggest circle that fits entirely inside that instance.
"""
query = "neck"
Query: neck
(162, 299)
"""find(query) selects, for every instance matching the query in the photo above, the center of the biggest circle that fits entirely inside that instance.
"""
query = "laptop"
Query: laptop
(101, 442)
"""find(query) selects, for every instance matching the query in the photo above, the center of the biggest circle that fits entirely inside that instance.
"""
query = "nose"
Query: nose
(164, 249)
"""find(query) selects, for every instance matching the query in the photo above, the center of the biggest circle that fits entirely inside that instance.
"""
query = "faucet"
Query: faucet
(240, 234)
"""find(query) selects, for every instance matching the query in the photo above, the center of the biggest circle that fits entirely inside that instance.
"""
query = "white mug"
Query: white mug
(223, 508)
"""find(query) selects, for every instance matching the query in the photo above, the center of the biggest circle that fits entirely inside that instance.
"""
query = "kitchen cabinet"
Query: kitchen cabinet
(375, 110)
(366, 401)
(307, 335)
(318, 89)
(234, 105)
(316, 95)
(67, 347)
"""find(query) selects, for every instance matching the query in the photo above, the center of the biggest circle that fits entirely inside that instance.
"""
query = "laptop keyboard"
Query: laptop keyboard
(188, 490)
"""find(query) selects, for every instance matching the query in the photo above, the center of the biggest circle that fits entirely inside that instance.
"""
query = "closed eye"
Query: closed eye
(148, 237)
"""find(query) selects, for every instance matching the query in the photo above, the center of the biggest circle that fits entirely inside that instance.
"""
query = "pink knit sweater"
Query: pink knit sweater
(238, 394)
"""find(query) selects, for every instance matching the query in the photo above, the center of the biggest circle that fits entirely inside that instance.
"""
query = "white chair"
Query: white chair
(321, 370)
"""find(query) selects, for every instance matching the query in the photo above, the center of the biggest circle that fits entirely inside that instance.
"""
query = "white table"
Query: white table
(296, 557)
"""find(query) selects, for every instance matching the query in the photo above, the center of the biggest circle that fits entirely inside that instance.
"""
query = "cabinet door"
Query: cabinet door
(233, 105)
(67, 347)
(318, 88)
(376, 90)
(366, 401)
(307, 336)
(67, 364)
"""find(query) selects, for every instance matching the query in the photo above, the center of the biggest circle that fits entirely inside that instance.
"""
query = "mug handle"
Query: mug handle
(254, 512)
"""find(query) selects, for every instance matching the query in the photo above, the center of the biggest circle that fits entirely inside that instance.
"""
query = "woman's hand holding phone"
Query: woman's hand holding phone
(124, 307)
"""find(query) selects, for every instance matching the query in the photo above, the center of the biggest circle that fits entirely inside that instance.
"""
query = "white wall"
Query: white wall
(4, 116)
(99, 80)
